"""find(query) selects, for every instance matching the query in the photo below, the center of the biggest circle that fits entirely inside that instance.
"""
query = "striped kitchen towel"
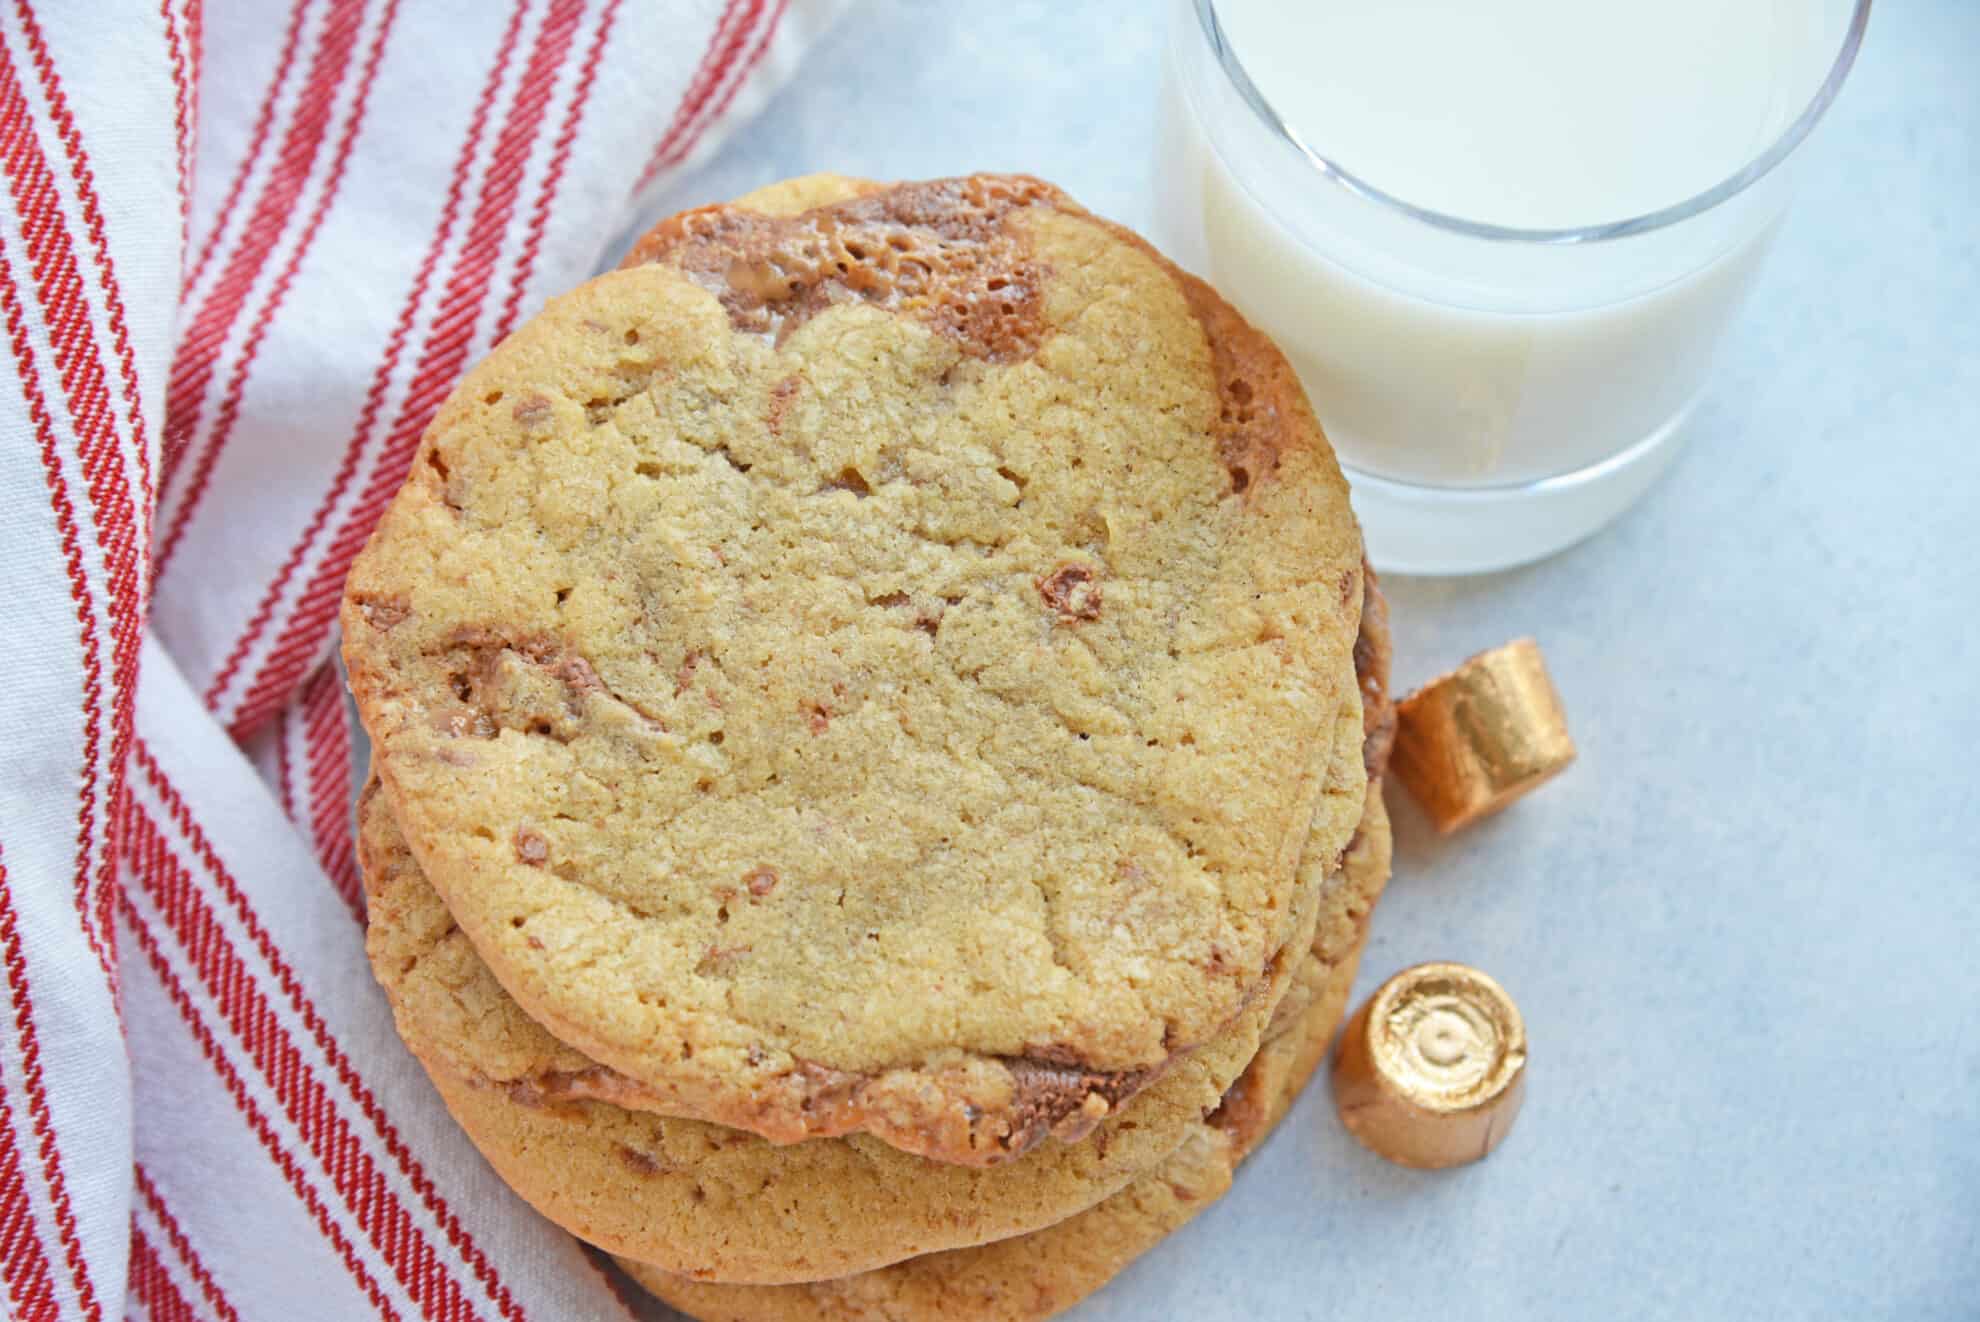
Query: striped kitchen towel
(248, 246)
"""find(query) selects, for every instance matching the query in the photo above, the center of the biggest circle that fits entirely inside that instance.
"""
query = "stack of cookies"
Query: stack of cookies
(877, 707)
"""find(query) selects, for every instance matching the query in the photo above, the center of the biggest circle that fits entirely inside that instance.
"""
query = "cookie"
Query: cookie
(1035, 1276)
(715, 1203)
(1344, 908)
(720, 1204)
(869, 670)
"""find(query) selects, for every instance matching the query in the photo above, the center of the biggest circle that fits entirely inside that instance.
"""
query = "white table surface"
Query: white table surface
(1745, 927)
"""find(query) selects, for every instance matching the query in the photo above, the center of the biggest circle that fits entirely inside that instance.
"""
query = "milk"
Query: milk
(1537, 386)
(1534, 113)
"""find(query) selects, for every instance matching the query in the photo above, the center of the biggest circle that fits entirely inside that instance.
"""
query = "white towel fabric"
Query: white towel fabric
(247, 247)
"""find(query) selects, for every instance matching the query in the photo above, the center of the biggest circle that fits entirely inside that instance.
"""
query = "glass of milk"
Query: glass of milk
(1498, 241)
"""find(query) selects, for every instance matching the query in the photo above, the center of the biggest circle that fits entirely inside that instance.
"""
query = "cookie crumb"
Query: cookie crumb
(639, 1163)
(781, 396)
(720, 960)
(1072, 591)
(384, 614)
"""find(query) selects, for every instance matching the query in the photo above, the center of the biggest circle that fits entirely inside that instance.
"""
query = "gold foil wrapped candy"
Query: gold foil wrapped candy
(1470, 742)
(1431, 1071)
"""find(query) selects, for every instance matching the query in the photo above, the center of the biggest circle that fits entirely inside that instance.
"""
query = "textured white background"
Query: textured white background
(1745, 928)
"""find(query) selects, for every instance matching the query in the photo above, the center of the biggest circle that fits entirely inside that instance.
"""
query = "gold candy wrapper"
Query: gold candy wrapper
(1472, 741)
(1430, 1072)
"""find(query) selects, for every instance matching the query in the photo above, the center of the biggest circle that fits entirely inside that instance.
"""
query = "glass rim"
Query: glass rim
(1731, 186)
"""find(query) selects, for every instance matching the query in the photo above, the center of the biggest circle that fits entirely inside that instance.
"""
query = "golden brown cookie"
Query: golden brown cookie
(1037, 1275)
(641, 1184)
(716, 1203)
(869, 670)
(1344, 908)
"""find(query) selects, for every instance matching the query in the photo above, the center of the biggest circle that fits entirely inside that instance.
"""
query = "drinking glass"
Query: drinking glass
(1495, 394)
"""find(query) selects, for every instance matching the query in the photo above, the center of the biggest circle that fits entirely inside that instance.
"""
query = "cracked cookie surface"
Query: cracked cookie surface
(1035, 1276)
(583, 1144)
(866, 667)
